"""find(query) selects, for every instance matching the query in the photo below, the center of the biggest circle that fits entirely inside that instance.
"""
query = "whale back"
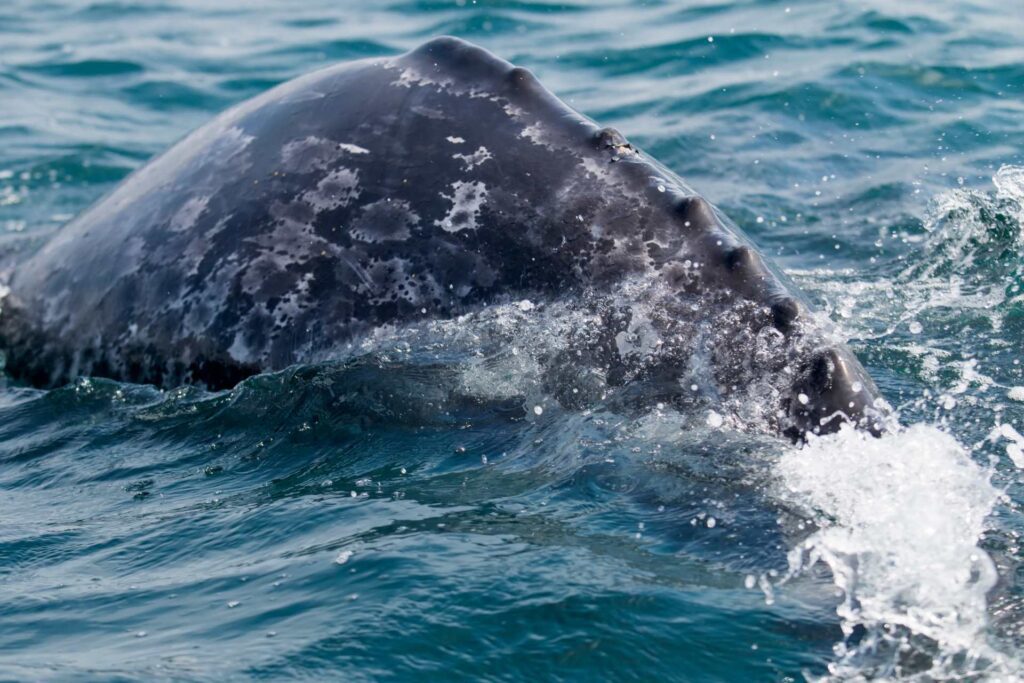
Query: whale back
(373, 192)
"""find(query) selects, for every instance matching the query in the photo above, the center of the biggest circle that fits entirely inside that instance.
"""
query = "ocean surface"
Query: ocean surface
(424, 511)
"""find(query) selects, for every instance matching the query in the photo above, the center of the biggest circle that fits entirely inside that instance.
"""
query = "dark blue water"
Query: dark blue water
(407, 513)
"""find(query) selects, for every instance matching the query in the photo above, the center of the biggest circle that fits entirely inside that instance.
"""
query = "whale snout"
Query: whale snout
(832, 389)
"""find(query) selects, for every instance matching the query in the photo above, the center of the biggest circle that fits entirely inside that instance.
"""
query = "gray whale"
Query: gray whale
(388, 191)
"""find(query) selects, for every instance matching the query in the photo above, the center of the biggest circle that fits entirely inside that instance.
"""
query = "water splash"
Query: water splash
(966, 269)
(899, 523)
(1009, 182)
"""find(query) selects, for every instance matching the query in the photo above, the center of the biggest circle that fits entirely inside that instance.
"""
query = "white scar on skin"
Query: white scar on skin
(410, 77)
(536, 134)
(188, 214)
(466, 199)
(594, 167)
(313, 153)
(352, 149)
(475, 159)
(336, 189)
(385, 220)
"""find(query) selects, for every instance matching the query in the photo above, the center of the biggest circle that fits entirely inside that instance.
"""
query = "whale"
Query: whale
(423, 186)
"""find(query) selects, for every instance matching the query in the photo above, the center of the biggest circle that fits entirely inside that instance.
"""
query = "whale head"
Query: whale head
(833, 389)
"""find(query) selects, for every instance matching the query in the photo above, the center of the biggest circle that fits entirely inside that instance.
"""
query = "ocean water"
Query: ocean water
(422, 509)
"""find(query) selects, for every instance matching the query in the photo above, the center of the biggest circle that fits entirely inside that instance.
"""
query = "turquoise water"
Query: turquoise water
(406, 515)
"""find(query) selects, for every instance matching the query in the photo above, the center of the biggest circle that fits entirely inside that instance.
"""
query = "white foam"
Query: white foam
(900, 518)
(1015, 447)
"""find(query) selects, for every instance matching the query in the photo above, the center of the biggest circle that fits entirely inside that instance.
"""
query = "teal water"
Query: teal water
(407, 515)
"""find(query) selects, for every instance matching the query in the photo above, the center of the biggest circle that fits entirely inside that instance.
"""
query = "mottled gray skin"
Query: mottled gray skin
(385, 191)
